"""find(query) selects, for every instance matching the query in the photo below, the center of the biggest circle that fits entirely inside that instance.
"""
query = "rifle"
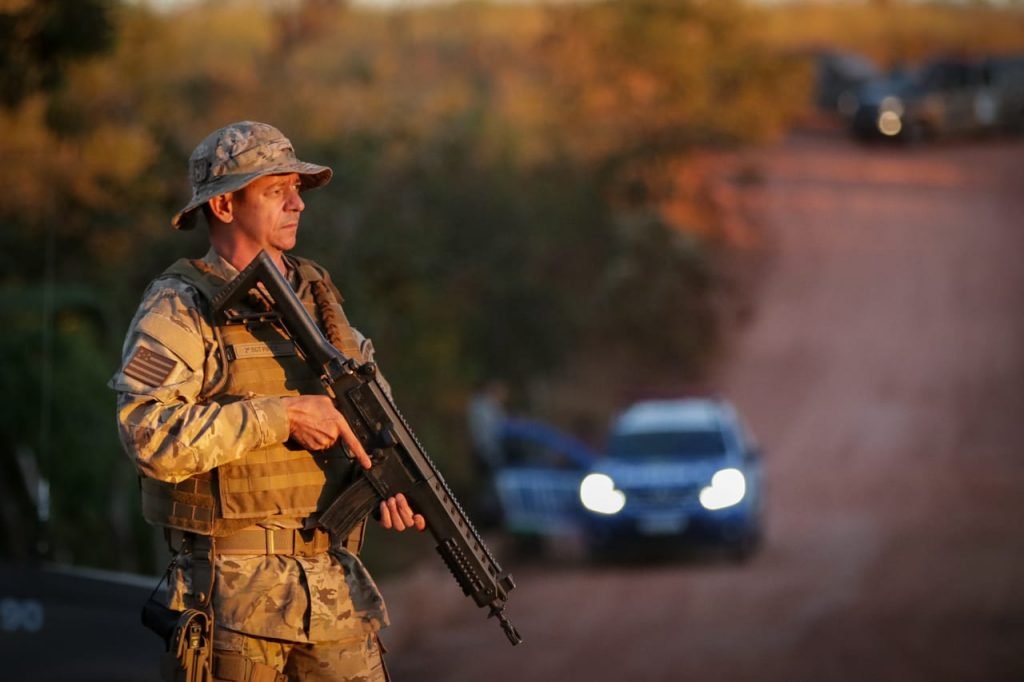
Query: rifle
(400, 464)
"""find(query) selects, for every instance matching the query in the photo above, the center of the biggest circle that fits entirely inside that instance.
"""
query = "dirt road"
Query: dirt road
(884, 374)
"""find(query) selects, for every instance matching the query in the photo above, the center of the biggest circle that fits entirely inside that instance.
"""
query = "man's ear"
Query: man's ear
(222, 207)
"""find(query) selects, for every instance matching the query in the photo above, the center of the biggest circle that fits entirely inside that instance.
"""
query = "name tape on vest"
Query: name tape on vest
(240, 351)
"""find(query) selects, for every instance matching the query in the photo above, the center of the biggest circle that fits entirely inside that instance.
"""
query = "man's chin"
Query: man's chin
(286, 244)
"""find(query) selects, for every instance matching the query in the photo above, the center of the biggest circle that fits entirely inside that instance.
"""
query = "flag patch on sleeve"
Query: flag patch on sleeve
(149, 367)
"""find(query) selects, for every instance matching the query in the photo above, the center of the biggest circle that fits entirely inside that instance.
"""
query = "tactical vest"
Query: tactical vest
(279, 480)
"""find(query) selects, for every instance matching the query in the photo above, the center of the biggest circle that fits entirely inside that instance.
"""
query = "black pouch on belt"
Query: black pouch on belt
(160, 619)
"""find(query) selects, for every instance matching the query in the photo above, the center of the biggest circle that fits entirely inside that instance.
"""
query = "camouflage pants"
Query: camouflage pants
(352, 660)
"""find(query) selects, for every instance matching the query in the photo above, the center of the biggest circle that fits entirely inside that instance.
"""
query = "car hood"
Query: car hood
(641, 474)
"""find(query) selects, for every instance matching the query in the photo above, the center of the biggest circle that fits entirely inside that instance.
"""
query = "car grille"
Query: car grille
(662, 499)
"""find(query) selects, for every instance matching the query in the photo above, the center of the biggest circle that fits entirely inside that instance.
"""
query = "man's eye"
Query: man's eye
(282, 189)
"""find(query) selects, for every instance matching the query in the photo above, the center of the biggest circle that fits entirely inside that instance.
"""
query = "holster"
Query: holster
(189, 654)
(188, 634)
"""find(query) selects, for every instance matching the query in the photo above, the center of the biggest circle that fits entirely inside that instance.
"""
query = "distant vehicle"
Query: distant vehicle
(943, 98)
(675, 471)
(837, 78)
(879, 109)
(1005, 75)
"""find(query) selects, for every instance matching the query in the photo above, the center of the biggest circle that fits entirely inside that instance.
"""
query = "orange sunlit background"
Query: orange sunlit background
(810, 208)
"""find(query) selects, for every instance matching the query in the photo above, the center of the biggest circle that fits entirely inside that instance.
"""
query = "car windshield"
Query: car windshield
(667, 445)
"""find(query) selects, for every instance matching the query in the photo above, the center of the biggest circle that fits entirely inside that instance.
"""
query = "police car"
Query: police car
(675, 470)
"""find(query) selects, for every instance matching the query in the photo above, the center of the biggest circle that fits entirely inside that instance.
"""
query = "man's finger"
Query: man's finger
(404, 509)
(385, 515)
(396, 514)
(354, 446)
(411, 518)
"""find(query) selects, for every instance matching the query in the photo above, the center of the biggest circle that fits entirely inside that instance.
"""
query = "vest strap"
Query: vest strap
(201, 548)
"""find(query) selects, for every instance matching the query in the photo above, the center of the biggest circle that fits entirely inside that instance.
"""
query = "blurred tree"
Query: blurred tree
(56, 448)
(40, 38)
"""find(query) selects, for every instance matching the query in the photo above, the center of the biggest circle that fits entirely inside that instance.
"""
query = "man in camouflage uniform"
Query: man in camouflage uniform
(236, 443)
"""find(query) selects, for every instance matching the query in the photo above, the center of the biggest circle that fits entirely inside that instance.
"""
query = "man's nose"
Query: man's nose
(295, 202)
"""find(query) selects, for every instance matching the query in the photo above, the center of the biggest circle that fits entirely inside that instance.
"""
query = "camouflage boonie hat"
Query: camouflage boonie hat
(235, 155)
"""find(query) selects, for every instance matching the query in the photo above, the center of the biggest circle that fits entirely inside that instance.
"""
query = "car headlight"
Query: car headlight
(728, 487)
(598, 494)
(889, 123)
(890, 116)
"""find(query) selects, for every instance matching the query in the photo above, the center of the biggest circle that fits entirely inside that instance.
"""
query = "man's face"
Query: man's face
(267, 210)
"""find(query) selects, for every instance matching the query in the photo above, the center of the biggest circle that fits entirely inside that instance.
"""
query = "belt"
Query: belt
(290, 541)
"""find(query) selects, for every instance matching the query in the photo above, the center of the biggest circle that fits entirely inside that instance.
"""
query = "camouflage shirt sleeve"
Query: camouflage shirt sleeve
(169, 357)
